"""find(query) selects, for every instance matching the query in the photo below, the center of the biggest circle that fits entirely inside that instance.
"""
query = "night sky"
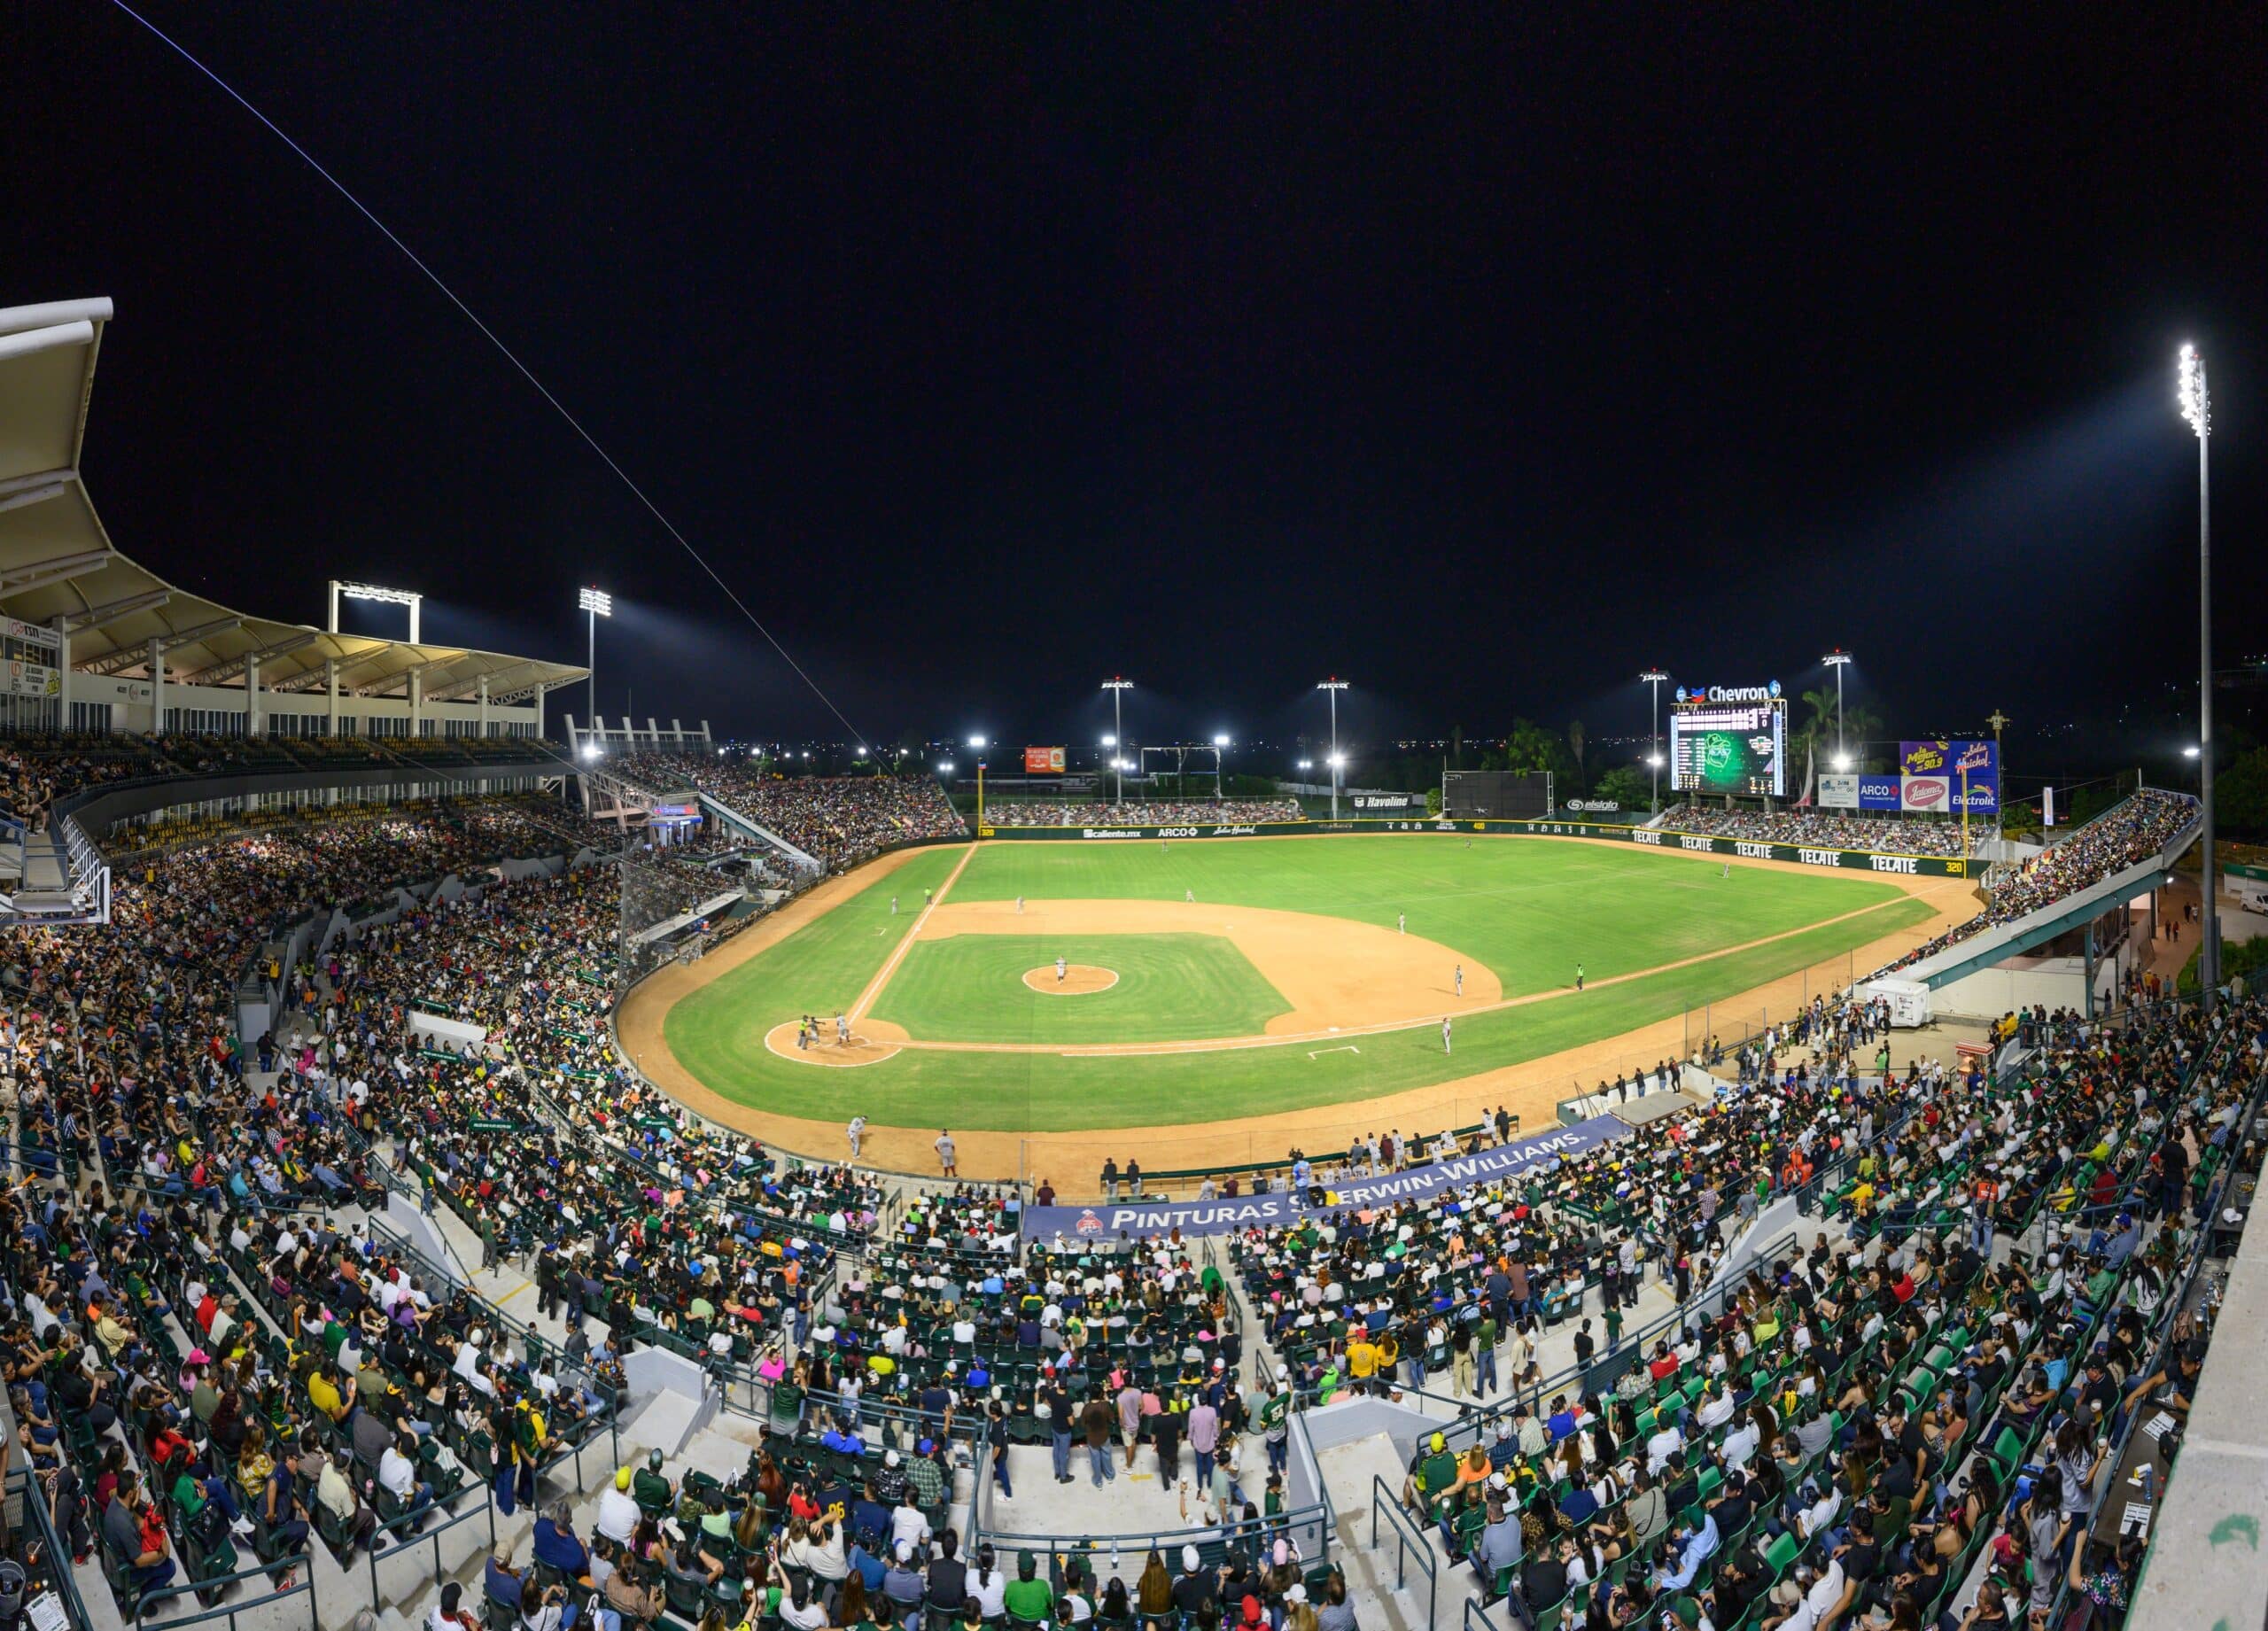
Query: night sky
(1483, 358)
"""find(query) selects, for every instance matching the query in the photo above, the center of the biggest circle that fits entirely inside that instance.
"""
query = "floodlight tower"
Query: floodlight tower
(1655, 678)
(594, 603)
(1838, 660)
(1220, 752)
(1118, 687)
(2197, 408)
(1334, 687)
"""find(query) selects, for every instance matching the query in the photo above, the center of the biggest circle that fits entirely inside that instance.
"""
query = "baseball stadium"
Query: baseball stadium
(520, 1115)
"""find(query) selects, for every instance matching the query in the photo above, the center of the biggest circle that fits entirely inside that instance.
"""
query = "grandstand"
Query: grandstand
(353, 1268)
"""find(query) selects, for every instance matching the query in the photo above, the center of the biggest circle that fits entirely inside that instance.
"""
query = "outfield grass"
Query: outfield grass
(1529, 910)
(970, 988)
(1518, 903)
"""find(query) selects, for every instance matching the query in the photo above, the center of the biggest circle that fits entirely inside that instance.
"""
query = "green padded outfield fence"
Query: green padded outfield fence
(1661, 838)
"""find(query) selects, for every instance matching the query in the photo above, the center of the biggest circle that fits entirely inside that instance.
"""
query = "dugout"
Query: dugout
(1498, 795)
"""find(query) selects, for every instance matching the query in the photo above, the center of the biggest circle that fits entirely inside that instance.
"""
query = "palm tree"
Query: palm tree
(1820, 709)
(1575, 742)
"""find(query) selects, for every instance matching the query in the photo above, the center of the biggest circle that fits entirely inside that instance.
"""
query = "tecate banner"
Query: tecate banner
(1137, 1219)
(1879, 793)
(1838, 792)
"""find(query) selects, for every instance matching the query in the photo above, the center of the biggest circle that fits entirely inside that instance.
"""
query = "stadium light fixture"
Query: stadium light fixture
(1842, 761)
(2189, 752)
(1334, 685)
(977, 742)
(1838, 660)
(594, 603)
(590, 748)
(2197, 408)
(1657, 679)
(946, 768)
(371, 591)
(1118, 685)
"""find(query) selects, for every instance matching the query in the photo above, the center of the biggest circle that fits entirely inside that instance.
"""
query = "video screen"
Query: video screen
(1739, 750)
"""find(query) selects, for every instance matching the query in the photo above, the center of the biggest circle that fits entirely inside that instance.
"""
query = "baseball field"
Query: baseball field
(1215, 997)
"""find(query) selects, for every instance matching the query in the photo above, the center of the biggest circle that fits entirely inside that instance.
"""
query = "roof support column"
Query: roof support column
(157, 686)
(330, 684)
(484, 705)
(416, 699)
(252, 696)
(62, 627)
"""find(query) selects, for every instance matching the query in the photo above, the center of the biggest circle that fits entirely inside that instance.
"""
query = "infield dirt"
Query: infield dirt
(1529, 1089)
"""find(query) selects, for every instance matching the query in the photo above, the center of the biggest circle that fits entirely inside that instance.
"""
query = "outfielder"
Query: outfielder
(1400, 922)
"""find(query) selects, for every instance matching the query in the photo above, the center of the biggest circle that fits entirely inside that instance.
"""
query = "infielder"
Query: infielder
(1445, 1033)
(1058, 971)
(1460, 978)
(1188, 896)
(1019, 905)
(1400, 922)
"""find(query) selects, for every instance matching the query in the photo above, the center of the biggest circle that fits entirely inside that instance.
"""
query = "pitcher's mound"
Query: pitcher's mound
(1079, 980)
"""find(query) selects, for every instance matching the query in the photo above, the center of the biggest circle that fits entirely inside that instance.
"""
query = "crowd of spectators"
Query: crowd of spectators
(1147, 812)
(2125, 835)
(1842, 1436)
(1826, 829)
(839, 819)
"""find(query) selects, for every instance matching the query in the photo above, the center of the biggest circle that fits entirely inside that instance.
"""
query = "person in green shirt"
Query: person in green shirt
(1614, 1328)
(650, 1489)
(1028, 1598)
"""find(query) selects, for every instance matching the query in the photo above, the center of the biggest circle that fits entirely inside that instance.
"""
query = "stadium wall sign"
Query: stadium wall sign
(1141, 1218)
(1595, 806)
(1659, 838)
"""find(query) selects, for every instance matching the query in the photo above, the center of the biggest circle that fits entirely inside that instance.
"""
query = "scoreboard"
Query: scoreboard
(1740, 748)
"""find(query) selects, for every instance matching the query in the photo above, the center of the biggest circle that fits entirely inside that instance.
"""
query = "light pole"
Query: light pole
(1220, 752)
(977, 746)
(597, 603)
(1118, 687)
(1334, 687)
(1999, 722)
(1838, 660)
(2197, 408)
(1655, 678)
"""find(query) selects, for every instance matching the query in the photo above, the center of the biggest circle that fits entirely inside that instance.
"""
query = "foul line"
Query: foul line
(898, 954)
(1218, 1044)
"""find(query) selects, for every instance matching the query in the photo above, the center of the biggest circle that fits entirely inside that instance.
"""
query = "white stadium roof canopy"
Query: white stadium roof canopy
(56, 561)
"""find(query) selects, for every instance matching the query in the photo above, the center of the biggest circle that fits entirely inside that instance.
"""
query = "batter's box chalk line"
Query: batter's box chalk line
(1344, 1047)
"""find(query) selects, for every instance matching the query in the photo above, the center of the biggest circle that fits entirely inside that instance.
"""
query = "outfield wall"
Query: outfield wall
(1659, 838)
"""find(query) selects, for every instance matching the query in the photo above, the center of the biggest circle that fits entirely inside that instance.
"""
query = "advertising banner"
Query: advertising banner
(1838, 792)
(32, 678)
(1931, 794)
(1043, 761)
(1660, 838)
(1137, 1219)
(1949, 760)
(1386, 801)
(1879, 793)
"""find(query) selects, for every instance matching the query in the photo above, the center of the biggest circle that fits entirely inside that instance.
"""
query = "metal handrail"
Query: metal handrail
(1406, 1536)
(24, 1483)
(305, 1587)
